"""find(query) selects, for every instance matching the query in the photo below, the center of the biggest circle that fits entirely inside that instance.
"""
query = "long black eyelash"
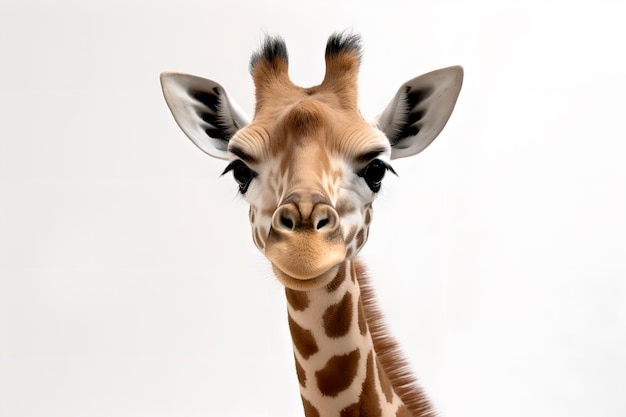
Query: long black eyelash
(385, 164)
(244, 183)
(234, 165)
(230, 167)
(390, 168)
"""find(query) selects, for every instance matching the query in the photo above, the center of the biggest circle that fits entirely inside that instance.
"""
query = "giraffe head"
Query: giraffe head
(308, 164)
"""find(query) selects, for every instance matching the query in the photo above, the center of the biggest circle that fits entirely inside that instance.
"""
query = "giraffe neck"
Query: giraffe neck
(338, 368)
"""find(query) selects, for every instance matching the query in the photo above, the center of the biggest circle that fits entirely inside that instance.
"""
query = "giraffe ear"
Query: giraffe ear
(420, 110)
(203, 110)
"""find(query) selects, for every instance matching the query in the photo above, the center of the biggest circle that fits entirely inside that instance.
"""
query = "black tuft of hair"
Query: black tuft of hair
(341, 42)
(273, 47)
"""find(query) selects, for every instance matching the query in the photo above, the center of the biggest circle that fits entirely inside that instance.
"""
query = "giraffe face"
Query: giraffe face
(308, 164)
(310, 174)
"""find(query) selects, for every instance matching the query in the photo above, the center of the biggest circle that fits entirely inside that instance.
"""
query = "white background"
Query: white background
(129, 285)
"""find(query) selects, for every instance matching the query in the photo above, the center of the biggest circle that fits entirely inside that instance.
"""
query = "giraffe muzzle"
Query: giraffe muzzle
(289, 218)
(305, 243)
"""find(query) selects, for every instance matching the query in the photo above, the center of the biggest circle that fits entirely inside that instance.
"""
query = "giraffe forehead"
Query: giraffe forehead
(304, 119)
(311, 132)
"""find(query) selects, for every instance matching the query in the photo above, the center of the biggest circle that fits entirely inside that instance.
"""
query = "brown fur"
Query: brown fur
(393, 363)
(298, 300)
(309, 409)
(362, 322)
(338, 317)
(338, 373)
(369, 403)
(336, 282)
(303, 340)
(300, 373)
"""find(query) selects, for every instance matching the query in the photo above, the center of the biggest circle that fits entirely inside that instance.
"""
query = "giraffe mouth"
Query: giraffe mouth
(305, 284)
(305, 260)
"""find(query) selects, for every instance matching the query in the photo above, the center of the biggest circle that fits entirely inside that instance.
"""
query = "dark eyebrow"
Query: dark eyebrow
(241, 154)
(368, 156)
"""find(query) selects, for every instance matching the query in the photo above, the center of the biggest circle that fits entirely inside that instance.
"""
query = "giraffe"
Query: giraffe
(310, 167)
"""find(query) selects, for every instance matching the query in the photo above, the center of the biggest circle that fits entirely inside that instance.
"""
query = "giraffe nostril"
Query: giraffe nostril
(286, 222)
(321, 223)
(325, 218)
(322, 218)
(285, 218)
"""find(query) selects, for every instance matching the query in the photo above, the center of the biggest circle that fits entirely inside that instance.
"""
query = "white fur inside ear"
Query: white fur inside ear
(203, 110)
(419, 110)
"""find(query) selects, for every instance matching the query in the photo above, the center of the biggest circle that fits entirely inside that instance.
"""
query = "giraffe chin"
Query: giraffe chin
(306, 284)
(305, 261)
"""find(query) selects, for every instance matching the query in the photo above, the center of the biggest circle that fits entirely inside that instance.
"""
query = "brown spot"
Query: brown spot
(338, 373)
(361, 318)
(302, 339)
(350, 235)
(368, 217)
(344, 206)
(300, 372)
(403, 411)
(334, 237)
(360, 238)
(338, 317)
(354, 272)
(309, 409)
(252, 212)
(336, 282)
(353, 410)
(370, 405)
(298, 300)
(349, 253)
(385, 385)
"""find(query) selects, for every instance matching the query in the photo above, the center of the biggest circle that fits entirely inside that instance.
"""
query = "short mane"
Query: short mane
(391, 358)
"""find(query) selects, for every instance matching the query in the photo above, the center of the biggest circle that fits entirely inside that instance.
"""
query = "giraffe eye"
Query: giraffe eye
(374, 173)
(242, 174)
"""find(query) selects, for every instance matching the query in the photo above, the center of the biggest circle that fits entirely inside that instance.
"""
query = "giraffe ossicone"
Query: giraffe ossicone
(310, 167)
